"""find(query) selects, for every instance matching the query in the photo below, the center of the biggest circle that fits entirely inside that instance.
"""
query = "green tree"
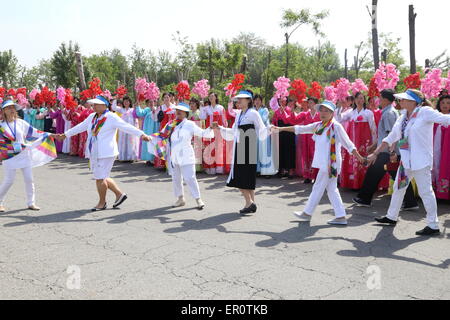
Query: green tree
(9, 68)
(293, 20)
(64, 65)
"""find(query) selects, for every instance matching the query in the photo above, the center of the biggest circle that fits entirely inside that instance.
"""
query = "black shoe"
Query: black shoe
(252, 209)
(291, 177)
(428, 232)
(121, 200)
(97, 209)
(386, 220)
(307, 181)
(362, 203)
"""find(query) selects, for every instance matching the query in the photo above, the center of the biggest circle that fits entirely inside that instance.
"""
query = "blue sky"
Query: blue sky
(35, 28)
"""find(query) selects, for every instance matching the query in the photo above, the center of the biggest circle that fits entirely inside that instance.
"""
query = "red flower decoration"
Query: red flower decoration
(69, 101)
(48, 96)
(299, 90)
(360, 118)
(315, 91)
(122, 91)
(38, 100)
(12, 92)
(373, 89)
(413, 81)
(236, 85)
(2, 92)
(184, 92)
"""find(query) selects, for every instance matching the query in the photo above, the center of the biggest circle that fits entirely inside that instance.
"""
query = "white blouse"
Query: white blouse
(322, 150)
(209, 111)
(420, 137)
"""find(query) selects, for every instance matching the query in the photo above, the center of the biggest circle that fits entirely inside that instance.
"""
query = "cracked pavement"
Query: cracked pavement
(147, 250)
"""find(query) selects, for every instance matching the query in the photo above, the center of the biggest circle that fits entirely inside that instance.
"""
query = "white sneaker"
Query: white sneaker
(338, 222)
(200, 204)
(303, 217)
(180, 203)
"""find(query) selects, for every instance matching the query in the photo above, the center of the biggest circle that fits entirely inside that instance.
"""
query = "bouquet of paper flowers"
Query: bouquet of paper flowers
(121, 92)
(387, 76)
(413, 81)
(233, 88)
(432, 84)
(152, 92)
(299, 89)
(201, 88)
(359, 86)
(315, 91)
(184, 91)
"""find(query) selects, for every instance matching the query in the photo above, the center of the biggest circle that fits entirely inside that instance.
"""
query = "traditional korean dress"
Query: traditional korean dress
(74, 117)
(149, 127)
(297, 119)
(282, 118)
(441, 162)
(362, 131)
(308, 147)
(169, 115)
(67, 126)
(60, 126)
(215, 154)
(128, 144)
(266, 148)
(198, 141)
(83, 136)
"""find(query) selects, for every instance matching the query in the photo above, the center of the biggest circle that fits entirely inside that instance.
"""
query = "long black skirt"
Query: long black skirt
(244, 172)
(287, 148)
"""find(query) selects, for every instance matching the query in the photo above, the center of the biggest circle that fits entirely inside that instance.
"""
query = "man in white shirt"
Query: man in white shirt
(101, 147)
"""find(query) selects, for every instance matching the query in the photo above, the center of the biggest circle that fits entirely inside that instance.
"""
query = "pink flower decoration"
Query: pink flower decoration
(387, 77)
(330, 94)
(342, 89)
(141, 86)
(34, 93)
(282, 85)
(359, 86)
(61, 95)
(107, 94)
(152, 92)
(22, 100)
(447, 83)
(201, 88)
(432, 84)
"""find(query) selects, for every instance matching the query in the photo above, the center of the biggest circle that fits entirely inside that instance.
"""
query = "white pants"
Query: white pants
(8, 181)
(323, 182)
(423, 181)
(189, 175)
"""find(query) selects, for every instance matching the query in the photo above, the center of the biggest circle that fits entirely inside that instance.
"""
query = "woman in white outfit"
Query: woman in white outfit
(414, 133)
(329, 137)
(101, 147)
(181, 160)
(15, 133)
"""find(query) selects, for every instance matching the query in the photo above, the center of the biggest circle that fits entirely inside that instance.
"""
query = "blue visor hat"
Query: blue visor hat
(99, 100)
(9, 103)
(244, 95)
(183, 107)
(409, 95)
(327, 104)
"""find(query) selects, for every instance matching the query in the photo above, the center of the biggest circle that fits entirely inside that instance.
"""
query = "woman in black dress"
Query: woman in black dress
(247, 129)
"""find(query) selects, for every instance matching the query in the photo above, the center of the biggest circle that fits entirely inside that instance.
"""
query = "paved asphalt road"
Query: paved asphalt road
(146, 250)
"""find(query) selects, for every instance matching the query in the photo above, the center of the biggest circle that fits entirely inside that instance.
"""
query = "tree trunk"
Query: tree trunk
(346, 64)
(80, 70)
(211, 69)
(266, 90)
(287, 56)
(412, 39)
(375, 44)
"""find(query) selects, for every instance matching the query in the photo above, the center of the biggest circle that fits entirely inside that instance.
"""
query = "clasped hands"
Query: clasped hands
(62, 137)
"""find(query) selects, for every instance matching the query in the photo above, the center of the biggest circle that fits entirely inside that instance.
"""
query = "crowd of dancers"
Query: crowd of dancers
(355, 144)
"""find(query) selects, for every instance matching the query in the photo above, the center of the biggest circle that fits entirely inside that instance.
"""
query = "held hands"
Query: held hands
(146, 138)
(59, 137)
(214, 126)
